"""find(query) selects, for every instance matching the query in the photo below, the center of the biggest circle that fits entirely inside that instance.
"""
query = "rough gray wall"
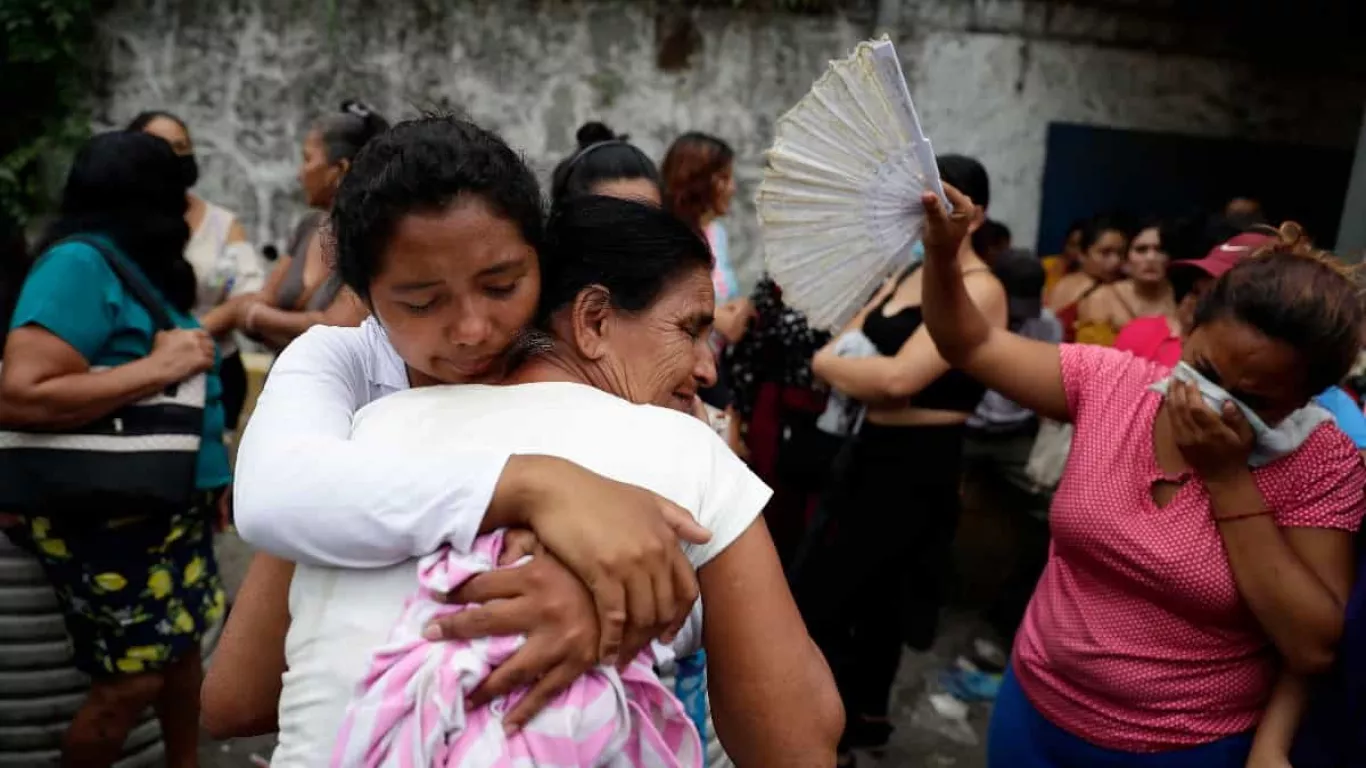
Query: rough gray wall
(250, 75)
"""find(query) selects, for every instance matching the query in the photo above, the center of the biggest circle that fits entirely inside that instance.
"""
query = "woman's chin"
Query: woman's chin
(481, 371)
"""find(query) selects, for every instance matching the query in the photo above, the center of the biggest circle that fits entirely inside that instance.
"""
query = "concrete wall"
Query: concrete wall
(993, 96)
(988, 77)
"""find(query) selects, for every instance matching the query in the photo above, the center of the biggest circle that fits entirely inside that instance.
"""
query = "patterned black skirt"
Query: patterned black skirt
(137, 591)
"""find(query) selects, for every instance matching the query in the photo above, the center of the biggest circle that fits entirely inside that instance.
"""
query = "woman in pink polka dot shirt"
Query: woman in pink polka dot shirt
(1197, 552)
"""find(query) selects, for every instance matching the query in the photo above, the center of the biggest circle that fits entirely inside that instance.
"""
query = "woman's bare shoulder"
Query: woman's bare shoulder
(1101, 302)
(985, 289)
(1069, 289)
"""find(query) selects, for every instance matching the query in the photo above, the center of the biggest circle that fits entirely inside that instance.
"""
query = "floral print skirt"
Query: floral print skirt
(137, 592)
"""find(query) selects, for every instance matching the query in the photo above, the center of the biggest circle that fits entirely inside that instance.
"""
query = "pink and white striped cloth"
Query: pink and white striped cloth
(409, 709)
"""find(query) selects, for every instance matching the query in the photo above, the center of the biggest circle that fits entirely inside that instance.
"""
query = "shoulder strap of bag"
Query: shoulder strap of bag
(132, 280)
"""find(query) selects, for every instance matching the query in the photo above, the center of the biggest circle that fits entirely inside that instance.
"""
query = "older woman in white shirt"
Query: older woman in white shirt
(308, 492)
(628, 297)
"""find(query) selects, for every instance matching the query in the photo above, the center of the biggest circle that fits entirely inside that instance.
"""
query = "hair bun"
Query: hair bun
(372, 121)
(595, 132)
(358, 108)
(1292, 237)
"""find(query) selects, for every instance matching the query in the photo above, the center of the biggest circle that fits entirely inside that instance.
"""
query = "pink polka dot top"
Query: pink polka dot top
(1136, 638)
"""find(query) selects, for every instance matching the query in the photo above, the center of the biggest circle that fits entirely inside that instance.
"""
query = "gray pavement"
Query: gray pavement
(923, 738)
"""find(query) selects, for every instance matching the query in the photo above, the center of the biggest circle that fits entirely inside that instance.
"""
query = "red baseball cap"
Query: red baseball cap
(1224, 256)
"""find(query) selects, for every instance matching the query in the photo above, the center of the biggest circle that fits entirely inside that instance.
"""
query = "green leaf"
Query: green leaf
(46, 68)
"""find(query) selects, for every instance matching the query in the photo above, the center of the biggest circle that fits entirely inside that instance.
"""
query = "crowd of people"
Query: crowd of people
(541, 482)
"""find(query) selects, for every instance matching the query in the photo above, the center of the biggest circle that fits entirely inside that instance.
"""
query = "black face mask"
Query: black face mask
(189, 170)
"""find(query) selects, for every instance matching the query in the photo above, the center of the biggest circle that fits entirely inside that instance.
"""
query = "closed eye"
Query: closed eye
(418, 309)
(697, 327)
(1204, 368)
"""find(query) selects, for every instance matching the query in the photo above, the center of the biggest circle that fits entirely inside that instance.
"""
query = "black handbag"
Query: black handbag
(139, 458)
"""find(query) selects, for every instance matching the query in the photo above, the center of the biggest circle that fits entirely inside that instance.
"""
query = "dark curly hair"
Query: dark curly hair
(690, 169)
(128, 187)
(1293, 293)
(632, 249)
(423, 166)
(602, 156)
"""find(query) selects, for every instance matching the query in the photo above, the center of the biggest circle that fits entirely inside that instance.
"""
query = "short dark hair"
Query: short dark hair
(632, 249)
(1292, 293)
(1149, 222)
(968, 175)
(689, 170)
(1167, 230)
(1097, 226)
(128, 186)
(144, 119)
(602, 156)
(991, 233)
(346, 132)
(424, 166)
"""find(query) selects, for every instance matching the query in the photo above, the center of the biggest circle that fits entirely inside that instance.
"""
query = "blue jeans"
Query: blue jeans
(1020, 737)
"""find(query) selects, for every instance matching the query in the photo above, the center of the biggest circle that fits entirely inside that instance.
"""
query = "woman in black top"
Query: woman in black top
(894, 498)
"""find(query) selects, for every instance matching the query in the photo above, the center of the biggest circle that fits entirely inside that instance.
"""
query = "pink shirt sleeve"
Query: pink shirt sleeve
(1324, 487)
(1097, 374)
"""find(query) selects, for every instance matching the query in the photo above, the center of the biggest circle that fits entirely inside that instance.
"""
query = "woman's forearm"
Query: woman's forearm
(241, 692)
(865, 379)
(1296, 609)
(278, 326)
(224, 317)
(774, 700)
(73, 400)
(524, 479)
(1276, 732)
(952, 318)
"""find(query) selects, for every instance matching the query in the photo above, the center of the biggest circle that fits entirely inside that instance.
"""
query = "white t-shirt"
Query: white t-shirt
(222, 270)
(305, 492)
(340, 617)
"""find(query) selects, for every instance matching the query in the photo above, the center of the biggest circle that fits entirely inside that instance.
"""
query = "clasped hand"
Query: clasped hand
(607, 576)
(541, 599)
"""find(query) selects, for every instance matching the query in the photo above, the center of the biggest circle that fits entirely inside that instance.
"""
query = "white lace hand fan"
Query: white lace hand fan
(839, 204)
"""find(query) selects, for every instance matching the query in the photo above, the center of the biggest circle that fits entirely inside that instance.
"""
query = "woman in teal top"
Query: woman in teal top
(138, 586)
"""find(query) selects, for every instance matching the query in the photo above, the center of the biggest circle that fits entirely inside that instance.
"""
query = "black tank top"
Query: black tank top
(954, 391)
